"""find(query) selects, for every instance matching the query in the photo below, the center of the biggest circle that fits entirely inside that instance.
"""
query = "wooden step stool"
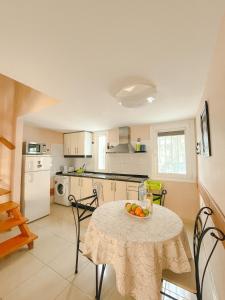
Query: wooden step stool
(15, 218)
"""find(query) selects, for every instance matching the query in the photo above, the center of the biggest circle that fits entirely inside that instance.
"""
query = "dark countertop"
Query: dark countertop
(108, 176)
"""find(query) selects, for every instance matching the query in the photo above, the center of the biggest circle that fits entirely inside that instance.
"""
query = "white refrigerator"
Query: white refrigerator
(35, 192)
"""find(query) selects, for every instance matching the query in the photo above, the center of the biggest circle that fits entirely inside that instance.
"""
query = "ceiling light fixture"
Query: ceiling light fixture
(136, 95)
(150, 99)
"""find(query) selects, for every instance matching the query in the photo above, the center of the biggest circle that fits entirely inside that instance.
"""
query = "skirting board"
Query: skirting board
(218, 216)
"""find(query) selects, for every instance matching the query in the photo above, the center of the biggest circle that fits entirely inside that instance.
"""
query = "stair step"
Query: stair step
(7, 206)
(10, 223)
(15, 243)
(4, 192)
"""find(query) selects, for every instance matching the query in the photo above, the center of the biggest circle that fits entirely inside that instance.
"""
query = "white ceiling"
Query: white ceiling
(81, 52)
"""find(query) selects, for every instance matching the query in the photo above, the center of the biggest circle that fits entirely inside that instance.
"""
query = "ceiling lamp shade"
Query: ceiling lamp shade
(136, 95)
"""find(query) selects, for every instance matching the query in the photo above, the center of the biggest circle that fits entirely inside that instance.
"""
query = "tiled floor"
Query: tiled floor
(47, 271)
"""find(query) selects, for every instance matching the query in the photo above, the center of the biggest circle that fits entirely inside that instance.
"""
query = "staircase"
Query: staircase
(10, 146)
(13, 218)
(26, 237)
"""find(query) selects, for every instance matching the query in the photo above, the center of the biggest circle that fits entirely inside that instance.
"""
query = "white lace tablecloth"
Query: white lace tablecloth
(138, 249)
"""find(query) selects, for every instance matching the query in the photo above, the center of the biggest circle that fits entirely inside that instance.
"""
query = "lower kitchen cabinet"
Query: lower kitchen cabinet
(81, 187)
(120, 190)
(98, 185)
(132, 191)
(75, 187)
(109, 190)
(86, 188)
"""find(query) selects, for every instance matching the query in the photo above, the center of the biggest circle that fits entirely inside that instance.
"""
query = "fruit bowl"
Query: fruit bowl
(137, 211)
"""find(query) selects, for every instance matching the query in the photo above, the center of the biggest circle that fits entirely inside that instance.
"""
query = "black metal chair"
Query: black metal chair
(193, 281)
(159, 197)
(82, 210)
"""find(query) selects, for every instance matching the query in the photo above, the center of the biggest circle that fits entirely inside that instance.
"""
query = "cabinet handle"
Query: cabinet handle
(115, 186)
(132, 187)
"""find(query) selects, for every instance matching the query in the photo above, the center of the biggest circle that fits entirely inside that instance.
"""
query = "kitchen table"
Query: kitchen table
(138, 249)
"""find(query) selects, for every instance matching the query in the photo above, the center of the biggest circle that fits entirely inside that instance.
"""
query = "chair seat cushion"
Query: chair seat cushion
(185, 281)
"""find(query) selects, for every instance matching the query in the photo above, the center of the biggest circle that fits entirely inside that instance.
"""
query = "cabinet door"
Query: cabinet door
(86, 188)
(78, 143)
(87, 143)
(67, 143)
(132, 191)
(75, 185)
(98, 185)
(73, 144)
(132, 195)
(120, 190)
(84, 143)
(108, 190)
(80, 138)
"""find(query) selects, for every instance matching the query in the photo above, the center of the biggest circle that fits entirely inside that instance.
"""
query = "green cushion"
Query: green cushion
(156, 185)
(156, 201)
(153, 185)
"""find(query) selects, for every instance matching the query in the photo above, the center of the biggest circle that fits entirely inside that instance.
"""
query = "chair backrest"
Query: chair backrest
(91, 203)
(156, 188)
(200, 232)
(159, 197)
(155, 185)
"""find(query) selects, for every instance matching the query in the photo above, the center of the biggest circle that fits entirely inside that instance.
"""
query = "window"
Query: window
(101, 152)
(171, 153)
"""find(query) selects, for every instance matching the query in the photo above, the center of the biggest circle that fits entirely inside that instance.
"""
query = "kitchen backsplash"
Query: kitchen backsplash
(126, 163)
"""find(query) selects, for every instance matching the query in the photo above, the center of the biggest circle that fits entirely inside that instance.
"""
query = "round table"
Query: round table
(138, 249)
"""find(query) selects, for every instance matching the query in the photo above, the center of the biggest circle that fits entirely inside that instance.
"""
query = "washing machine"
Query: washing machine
(62, 190)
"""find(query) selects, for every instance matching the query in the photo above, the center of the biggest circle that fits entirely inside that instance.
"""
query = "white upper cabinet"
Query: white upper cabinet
(67, 144)
(78, 144)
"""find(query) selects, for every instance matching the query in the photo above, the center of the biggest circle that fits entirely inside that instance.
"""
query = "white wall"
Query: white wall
(58, 160)
(211, 169)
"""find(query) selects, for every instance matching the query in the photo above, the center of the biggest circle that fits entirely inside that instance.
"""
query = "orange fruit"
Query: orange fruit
(134, 206)
(142, 215)
(138, 211)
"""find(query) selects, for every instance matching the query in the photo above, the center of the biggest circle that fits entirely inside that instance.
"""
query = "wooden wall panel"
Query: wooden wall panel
(218, 216)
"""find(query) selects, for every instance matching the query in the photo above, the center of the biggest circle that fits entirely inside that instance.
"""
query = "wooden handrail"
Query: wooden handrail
(7, 143)
(4, 192)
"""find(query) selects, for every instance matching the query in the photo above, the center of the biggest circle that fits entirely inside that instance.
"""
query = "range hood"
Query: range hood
(124, 145)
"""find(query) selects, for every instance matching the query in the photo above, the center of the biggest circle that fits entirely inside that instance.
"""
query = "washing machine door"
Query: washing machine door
(60, 189)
